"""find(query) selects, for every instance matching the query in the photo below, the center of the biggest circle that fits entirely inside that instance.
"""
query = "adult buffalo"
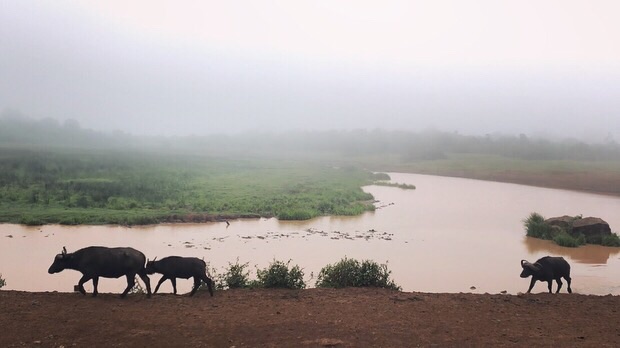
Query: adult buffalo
(97, 261)
(547, 269)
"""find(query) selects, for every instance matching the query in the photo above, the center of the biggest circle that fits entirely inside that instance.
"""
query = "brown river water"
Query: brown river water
(448, 235)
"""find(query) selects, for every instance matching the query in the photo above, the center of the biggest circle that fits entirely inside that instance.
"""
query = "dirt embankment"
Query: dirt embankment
(308, 318)
(590, 181)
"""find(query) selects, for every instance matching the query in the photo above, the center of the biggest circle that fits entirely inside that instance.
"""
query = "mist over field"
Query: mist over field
(545, 70)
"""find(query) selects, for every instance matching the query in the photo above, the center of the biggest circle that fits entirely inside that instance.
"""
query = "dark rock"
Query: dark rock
(564, 222)
(593, 228)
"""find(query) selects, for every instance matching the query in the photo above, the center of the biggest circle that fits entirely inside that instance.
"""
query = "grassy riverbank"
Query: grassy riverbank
(96, 187)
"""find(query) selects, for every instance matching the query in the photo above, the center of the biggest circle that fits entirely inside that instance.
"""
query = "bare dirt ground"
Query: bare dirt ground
(308, 318)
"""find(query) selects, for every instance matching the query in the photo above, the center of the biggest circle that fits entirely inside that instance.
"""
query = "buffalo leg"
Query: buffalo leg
(163, 279)
(174, 285)
(550, 285)
(532, 282)
(147, 281)
(209, 283)
(83, 280)
(196, 286)
(131, 281)
(568, 281)
(559, 281)
(95, 284)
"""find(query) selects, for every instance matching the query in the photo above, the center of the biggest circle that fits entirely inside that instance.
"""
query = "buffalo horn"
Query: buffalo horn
(64, 251)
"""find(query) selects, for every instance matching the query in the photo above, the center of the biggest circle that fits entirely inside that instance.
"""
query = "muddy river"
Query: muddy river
(448, 235)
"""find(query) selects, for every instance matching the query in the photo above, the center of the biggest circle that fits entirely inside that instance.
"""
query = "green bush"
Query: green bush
(297, 215)
(566, 240)
(236, 276)
(352, 273)
(278, 275)
(536, 227)
(2, 281)
(612, 240)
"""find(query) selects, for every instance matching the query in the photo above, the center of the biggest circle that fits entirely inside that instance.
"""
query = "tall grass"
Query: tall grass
(536, 227)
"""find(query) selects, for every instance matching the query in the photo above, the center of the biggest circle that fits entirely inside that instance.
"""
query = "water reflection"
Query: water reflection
(587, 254)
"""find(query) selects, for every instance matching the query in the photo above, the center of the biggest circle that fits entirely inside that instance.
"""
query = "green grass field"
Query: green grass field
(94, 187)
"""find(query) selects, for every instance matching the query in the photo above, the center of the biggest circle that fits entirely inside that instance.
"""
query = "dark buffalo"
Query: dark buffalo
(173, 267)
(547, 269)
(96, 261)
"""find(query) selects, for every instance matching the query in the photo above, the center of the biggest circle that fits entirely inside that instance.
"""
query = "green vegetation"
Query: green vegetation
(93, 187)
(236, 276)
(61, 173)
(395, 184)
(279, 275)
(2, 281)
(352, 273)
(535, 226)
(612, 240)
(566, 240)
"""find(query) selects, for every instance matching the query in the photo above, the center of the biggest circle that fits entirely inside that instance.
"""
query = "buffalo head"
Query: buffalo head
(60, 262)
(529, 268)
(150, 266)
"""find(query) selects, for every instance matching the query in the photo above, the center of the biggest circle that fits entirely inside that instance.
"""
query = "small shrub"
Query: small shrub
(612, 240)
(536, 227)
(137, 288)
(566, 240)
(278, 275)
(236, 276)
(352, 273)
(581, 239)
(2, 281)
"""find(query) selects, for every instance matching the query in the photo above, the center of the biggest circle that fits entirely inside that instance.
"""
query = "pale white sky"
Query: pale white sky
(197, 67)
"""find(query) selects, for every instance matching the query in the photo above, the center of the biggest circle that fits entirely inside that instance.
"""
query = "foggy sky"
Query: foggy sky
(202, 67)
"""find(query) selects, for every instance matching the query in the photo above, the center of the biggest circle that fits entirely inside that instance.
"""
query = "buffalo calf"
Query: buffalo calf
(173, 267)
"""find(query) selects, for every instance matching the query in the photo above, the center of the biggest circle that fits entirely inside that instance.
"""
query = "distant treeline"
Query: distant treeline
(16, 130)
